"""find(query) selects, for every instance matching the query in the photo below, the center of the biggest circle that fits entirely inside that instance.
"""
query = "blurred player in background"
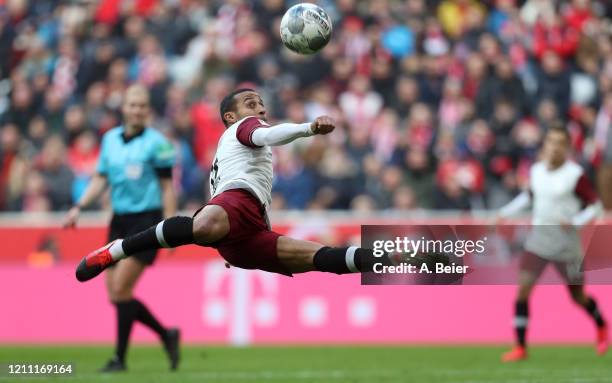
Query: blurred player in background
(562, 200)
(136, 162)
(235, 220)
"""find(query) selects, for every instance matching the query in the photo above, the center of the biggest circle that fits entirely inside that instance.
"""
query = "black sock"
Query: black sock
(344, 260)
(521, 318)
(126, 313)
(593, 311)
(172, 232)
(144, 316)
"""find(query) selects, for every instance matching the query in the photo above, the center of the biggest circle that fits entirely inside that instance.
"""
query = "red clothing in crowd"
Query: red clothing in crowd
(83, 163)
(469, 173)
(108, 11)
(6, 161)
(208, 128)
(559, 38)
(576, 18)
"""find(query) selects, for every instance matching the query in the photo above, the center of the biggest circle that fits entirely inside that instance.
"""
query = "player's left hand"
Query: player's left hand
(323, 125)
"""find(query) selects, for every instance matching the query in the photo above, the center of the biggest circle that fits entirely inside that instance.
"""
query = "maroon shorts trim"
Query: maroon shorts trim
(250, 244)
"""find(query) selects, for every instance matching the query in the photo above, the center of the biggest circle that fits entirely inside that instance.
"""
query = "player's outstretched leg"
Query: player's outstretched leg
(299, 256)
(521, 317)
(209, 225)
(527, 280)
(589, 304)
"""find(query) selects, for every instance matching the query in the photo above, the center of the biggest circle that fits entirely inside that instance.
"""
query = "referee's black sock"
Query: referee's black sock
(171, 232)
(144, 316)
(521, 319)
(126, 313)
(344, 260)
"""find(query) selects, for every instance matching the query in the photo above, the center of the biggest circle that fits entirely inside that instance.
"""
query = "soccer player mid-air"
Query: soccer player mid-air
(562, 200)
(234, 221)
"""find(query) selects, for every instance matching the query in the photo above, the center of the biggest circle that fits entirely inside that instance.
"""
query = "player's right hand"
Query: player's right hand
(323, 125)
(72, 217)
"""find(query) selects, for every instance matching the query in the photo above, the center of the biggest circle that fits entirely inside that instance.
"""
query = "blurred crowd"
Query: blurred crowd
(440, 104)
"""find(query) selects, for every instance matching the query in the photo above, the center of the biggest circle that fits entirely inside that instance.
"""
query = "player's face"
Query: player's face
(250, 104)
(136, 109)
(556, 147)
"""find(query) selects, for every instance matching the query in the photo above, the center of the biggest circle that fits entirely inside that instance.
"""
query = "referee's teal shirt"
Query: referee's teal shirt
(132, 167)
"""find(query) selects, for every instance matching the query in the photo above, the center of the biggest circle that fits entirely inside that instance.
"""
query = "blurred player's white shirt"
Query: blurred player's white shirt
(240, 166)
(555, 193)
(556, 196)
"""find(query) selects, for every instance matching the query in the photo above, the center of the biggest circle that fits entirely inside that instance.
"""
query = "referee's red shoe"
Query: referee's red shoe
(602, 340)
(517, 353)
(94, 263)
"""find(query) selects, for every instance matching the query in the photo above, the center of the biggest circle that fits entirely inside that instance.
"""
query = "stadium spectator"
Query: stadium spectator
(553, 81)
(455, 15)
(603, 139)
(82, 158)
(14, 168)
(57, 175)
(503, 83)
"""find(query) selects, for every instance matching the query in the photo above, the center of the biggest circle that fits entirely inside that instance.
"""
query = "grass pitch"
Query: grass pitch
(355, 364)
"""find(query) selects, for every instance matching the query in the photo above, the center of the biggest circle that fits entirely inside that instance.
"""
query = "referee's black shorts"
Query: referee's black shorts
(123, 225)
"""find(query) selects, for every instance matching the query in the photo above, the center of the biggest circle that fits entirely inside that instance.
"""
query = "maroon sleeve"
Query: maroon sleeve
(585, 191)
(245, 130)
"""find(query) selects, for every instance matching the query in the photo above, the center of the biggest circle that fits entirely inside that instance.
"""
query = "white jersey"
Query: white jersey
(557, 195)
(239, 164)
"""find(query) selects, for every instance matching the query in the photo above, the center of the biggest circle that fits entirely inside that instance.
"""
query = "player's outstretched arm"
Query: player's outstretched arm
(516, 206)
(285, 133)
(588, 214)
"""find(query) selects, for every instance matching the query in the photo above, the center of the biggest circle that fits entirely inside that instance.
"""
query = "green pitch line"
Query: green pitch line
(325, 364)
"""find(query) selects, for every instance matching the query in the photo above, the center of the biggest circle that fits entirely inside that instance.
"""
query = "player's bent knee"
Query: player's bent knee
(210, 225)
(120, 293)
(204, 230)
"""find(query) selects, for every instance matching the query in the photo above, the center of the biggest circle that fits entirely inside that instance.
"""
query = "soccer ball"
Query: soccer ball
(305, 28)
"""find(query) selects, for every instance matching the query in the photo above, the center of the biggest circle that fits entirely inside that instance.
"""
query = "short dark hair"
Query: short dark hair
(559, 127)
(228, 104)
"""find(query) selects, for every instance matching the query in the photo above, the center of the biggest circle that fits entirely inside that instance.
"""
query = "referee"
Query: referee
(136, 162)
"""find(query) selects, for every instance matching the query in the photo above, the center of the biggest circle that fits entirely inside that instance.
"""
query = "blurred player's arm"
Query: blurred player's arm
(95, 187)
(520, 203)
(592, 205)
(255, 133)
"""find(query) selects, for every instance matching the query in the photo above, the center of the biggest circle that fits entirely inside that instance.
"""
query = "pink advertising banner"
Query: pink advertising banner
(214, 304)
